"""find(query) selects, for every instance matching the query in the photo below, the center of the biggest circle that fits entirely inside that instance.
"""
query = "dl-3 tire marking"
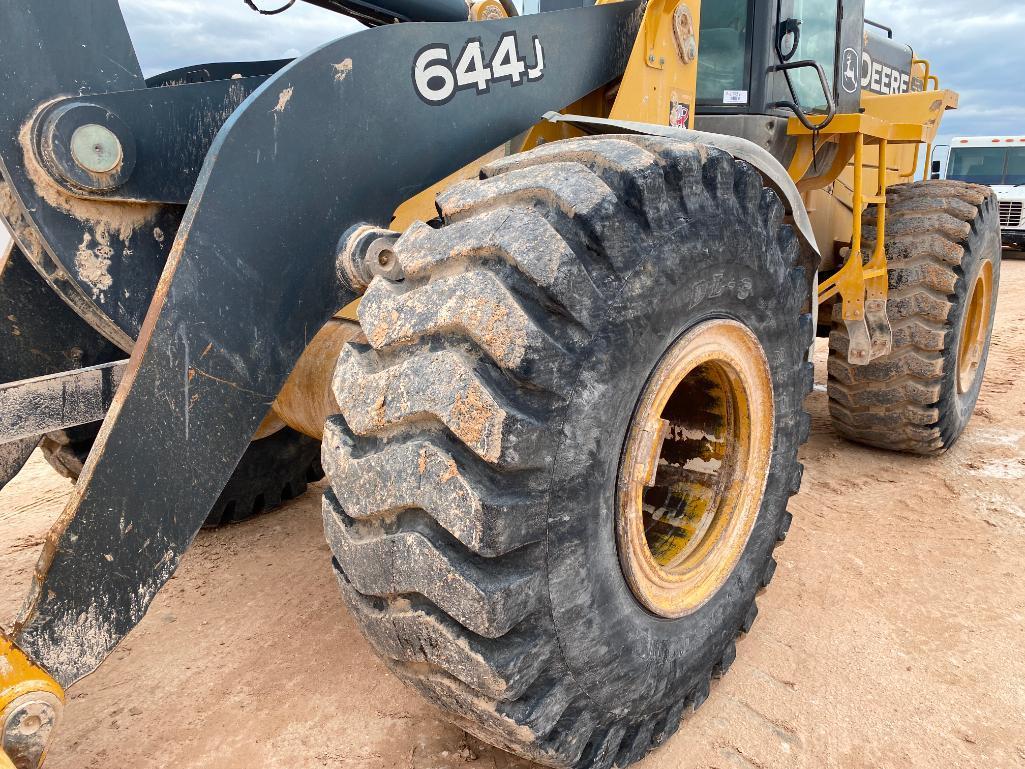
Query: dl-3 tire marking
(437, 78)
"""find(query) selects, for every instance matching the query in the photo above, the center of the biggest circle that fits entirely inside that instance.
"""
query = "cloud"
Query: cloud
(970, 46)
(967, 43)
(175, 33)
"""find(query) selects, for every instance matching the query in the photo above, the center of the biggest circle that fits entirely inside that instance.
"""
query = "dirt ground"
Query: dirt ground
(892, 636)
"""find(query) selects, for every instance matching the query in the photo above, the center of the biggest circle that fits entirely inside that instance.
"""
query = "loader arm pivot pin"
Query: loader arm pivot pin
(31, 704)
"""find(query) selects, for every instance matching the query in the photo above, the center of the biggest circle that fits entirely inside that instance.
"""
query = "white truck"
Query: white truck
(999, 162)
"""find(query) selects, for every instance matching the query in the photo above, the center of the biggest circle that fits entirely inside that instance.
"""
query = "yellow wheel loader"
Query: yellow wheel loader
(540, 288)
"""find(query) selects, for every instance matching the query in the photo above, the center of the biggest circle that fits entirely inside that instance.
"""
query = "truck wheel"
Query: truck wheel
(564, 457)
(943, 246)
(273, 470)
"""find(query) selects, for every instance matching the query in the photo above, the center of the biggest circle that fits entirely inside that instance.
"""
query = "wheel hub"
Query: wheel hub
(694, 467)
(975, 329)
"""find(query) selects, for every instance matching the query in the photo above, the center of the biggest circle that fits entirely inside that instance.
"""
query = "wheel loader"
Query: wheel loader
(538, 289)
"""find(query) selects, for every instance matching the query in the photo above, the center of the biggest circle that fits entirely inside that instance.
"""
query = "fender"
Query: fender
(338, 138)
(772, 171)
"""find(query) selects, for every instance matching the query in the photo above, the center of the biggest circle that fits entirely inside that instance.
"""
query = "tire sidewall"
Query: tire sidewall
(624, 658)
(984, 246)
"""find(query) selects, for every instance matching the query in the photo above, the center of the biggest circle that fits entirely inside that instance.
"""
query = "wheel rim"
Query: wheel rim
(975, 329)
(694, 467)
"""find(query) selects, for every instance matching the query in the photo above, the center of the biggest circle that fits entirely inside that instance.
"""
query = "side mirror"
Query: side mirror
(936, 167)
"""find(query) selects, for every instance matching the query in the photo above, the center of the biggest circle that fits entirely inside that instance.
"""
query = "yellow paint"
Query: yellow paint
(874, 149)
(19, 676)
(975, 329)
(676, 560)
(484, 10)
(657, 77)
(857, 281)
(420, 207)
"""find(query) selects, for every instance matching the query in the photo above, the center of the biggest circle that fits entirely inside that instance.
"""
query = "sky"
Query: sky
(969, 42)
(972, 45)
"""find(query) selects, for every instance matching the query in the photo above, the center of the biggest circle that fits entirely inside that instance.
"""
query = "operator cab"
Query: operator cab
(778, 59)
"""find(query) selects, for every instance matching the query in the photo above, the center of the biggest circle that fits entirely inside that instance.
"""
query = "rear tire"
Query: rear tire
(474, 468)
(273, 470)
(942, 239)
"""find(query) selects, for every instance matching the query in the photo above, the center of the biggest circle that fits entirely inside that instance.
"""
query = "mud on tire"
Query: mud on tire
(473, 468)
(273, 470)
(940, 236)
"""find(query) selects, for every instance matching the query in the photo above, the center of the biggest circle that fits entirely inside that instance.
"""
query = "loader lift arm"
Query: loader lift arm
(250, 278)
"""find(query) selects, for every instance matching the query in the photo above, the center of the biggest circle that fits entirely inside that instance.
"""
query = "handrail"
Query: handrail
(883, 27)
(927, 79)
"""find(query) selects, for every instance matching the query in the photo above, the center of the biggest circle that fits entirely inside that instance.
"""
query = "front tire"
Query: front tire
(474, 469)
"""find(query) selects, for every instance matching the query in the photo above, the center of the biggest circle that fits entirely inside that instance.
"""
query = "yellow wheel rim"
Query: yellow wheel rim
(694, 467)
(975, 329)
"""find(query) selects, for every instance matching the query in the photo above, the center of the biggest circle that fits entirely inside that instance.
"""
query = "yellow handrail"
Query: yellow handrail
(928, 79)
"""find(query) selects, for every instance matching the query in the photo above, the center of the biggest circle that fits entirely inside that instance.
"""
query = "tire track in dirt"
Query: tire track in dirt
(893, 634)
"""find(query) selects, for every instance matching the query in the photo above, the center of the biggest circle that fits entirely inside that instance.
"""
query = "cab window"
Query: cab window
(819, 24)
(723, 64)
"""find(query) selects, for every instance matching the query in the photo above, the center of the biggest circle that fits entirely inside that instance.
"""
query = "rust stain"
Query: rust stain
(233, 385)
(93, 261)
(451, 471)
(283, 99)
(342, 70)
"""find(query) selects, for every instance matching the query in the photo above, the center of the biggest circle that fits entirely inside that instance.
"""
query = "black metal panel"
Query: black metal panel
(390, 11)
(33, 407)
(222, 70)
(849, 53)
(102, 259)
(886, 66)
(13, 457)
(338, 138)
(39, 335)
(171, 130)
